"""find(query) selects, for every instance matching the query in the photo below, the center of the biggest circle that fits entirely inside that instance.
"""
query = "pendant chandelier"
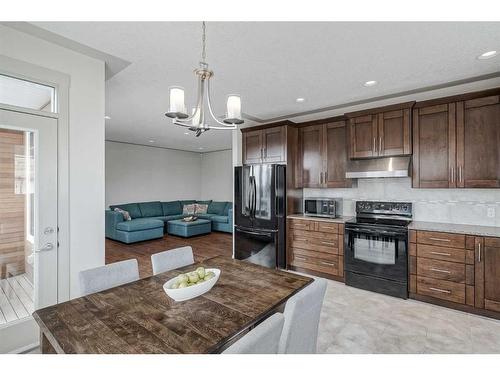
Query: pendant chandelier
(197, 121)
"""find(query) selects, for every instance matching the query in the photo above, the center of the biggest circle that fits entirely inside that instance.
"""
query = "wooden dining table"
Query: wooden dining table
(140, 318)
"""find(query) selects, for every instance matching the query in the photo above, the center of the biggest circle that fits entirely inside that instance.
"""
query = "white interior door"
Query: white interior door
(28, 224)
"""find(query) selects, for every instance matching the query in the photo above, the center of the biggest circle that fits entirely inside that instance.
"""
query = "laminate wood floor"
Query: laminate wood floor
(204, 247)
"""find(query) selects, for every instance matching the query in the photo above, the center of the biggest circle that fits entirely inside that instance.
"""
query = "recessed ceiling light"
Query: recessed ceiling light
(487, 55)
(300, 100)
(370, 83)
(151, 141)
(107, 118)
(186, 133)
(201, 148)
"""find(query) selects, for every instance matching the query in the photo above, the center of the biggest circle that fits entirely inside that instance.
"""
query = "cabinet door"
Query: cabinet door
(434, 147)
(335, 147)
(311, 139)
(252, 147)
(394, 133)
(487, 273)
(363, 135)
(274, 144)
(478, 143)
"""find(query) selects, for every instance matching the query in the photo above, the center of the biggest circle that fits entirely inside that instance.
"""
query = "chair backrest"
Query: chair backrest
(97, 279)
(263, 339)
(302, 312)
(172, 259)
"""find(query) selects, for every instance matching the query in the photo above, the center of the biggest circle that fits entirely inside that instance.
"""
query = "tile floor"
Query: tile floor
(358, 321)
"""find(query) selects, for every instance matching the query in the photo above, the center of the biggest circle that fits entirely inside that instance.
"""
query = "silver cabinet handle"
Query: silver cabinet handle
(438, 270)
(438, 253)
(374, 149)
(47, 247)
(460, 173)
(439, 239)
(326, 177)
(379, 144)
(479, 252)
(327, 243)
(327, 263)
(440, 290)
(300, 258)
(452, 174)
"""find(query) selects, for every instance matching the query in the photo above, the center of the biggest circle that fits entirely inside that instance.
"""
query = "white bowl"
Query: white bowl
(189, 292)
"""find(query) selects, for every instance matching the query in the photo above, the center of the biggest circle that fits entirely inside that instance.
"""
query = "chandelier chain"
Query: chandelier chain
(203, 42)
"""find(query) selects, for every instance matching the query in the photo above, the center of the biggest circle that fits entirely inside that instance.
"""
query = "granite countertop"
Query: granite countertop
(340, 220)
(475, 230)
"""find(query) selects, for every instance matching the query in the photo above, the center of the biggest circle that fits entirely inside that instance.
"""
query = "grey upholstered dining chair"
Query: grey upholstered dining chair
(105, 277)
(302, 312)
(263, 339)
(172, 259)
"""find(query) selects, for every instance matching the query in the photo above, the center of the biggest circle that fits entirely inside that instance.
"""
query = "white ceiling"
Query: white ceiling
(271, 64)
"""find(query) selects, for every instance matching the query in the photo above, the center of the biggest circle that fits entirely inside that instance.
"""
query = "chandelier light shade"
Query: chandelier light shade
(197, 121)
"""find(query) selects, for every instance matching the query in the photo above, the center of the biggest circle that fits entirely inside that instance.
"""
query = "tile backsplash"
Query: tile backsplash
(458, 206)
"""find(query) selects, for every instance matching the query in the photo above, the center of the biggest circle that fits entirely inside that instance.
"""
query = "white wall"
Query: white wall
(137, 173)
(86, 142)
(217, 176)
(460, 206)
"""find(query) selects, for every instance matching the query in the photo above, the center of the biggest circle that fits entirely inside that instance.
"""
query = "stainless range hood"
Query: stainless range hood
(398, 166)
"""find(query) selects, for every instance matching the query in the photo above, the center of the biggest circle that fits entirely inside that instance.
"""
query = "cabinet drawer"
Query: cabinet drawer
(301, 224)
(314, 263)
(441, 239)
(439, 269)
(448, 254)
(320, 236)
(446, 290)
(315, 244)
(318, 256)
(327, 227)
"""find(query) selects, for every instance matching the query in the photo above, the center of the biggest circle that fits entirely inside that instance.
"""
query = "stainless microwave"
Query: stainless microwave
(323, 207)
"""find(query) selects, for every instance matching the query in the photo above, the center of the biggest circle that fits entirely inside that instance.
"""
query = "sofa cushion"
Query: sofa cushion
(205, 216)
(204, 202)
(200, 208)
(189, 209)
(149, 209)
(139, 224)
(220, 219)
(216, 208)
(132, 208)
(172, 208)
(229, 205)
(169, 217)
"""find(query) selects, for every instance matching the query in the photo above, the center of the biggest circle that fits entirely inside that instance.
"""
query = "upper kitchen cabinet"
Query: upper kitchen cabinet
(381, 132)
(456, 141)
(264, 145)
(311, 146)
(478, 142)
(434, 146)
(323, 150)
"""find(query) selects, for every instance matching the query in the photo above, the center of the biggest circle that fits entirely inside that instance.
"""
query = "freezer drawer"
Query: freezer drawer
(257, 247)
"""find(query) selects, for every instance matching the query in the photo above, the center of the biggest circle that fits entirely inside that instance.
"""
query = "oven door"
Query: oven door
(377, 252)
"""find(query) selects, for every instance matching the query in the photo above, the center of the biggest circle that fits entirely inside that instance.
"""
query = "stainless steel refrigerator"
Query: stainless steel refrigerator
(259, 214)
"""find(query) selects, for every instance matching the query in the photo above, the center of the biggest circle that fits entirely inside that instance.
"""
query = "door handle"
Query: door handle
(48, 230)
(47, 247)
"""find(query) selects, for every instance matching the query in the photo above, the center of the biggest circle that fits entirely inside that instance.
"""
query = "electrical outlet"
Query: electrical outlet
(490, 212)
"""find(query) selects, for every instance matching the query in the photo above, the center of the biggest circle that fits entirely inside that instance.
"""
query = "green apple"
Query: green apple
(209, 275)
(184, 284)
(175, 285)
(201, 272)
(182, 278)
(193, 277)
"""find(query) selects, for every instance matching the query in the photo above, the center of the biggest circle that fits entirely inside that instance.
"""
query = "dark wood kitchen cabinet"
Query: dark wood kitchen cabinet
(311, 146)
(324, 154)
(478, 142)
(266, 145)
(487, 273)
(381, 132)
(434, 146)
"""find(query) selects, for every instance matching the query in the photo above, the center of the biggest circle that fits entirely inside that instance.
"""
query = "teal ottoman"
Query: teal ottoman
(189, 229)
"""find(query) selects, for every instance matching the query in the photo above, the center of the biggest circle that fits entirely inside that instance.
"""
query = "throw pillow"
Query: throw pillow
(188, 209)
(201, 208)
(126, 215)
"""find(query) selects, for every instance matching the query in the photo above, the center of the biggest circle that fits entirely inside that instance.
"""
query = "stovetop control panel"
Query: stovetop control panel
(387, 208)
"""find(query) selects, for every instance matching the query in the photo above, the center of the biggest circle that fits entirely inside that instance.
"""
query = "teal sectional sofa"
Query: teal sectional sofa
(149, 219)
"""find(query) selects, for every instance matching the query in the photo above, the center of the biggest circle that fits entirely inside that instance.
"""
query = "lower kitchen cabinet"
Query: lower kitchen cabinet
(316, 247)
(456, 270)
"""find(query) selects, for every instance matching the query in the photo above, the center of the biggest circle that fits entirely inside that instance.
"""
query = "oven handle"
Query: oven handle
(379, 232)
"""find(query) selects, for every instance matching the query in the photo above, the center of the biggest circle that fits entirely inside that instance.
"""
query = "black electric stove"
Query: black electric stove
(376, 247)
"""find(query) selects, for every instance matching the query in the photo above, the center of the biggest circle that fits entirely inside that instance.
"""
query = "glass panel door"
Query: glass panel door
(28, 224)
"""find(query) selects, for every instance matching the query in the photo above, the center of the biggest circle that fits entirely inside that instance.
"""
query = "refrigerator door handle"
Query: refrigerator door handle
(254, 197)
